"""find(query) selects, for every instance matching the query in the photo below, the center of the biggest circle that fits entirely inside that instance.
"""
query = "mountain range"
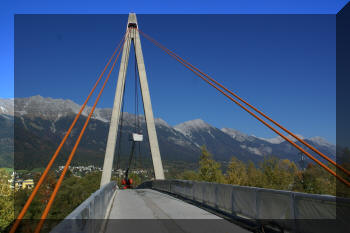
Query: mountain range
(33, 127)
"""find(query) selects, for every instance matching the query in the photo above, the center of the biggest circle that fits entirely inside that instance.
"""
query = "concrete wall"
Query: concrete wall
(259, 204)
(88, 216)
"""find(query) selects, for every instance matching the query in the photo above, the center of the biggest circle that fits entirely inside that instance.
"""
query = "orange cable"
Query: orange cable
(261, 120)
(254, 108)
(43, 176)
(59, 182)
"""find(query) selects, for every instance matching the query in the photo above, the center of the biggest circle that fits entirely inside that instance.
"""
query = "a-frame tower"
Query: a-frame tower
(131, 37)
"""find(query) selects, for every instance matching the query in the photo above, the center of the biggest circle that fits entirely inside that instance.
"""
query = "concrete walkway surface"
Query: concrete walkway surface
(146, 210)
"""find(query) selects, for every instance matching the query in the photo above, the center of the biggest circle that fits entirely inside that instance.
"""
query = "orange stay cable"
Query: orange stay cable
(254, 108)
(262, 121)
(59, 182)
(251, 106)
(43, 176)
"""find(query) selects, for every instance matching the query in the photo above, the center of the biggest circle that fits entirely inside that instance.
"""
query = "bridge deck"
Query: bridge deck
(146, 210)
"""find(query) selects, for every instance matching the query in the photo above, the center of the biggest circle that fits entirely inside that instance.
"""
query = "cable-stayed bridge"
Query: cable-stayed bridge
(163, 205)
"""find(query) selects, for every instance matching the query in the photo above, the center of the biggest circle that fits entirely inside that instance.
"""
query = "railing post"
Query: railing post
(294, 212)
(257, 204)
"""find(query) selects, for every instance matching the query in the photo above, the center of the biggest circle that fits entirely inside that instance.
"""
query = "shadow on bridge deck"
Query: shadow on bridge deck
(146, 210)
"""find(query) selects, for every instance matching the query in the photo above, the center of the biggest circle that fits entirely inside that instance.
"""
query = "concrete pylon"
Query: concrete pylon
(132, 37)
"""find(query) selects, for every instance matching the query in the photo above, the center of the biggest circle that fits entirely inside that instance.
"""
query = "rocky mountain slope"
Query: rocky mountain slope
(39, 124)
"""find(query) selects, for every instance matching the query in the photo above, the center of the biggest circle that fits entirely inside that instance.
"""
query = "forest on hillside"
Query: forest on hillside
(272, 173)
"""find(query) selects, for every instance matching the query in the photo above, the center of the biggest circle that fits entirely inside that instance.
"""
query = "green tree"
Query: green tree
(288, 171)
(209, 169)
(278, 174)
(343, 159)
(254, 175)
(47, 186)
(136, 179)
(6, 200)
(316, 180)
(188, 175)
(236, 172)
(74, 190)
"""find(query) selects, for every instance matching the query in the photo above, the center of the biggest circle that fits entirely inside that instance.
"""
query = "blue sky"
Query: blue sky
(283, 64)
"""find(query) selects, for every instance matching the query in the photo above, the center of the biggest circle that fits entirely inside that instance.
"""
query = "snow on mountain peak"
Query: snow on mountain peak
(37, 98)
(235, 134)
(4, 110)
(6, 106)
(46, 107)
(320, 141)
(193, 124)
(54, 109)
(279, 139)
(188, 126)
(160, 121)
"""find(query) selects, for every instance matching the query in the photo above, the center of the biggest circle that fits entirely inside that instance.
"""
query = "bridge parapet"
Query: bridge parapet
(282, 209)
(288, 210)
(90, 215)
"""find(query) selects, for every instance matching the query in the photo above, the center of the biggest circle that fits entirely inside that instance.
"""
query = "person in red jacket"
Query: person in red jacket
(127, 183)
